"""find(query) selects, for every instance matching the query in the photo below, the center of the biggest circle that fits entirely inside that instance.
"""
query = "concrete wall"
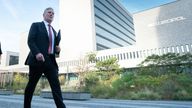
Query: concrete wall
(23, 49)
(166, 25)
(77, 28)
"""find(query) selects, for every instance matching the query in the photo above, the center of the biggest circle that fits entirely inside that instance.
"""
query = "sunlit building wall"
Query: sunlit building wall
(77, 28)
(164, 26)
(23, 49)
(92, 25)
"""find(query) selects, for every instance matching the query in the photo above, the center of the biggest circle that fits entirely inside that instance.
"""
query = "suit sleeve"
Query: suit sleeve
(32, 39)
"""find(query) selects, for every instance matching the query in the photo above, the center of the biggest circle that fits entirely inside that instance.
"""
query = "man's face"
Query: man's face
(48, 15)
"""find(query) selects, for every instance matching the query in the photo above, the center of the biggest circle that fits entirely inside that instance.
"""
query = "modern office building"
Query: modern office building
(93, 25)
(168, 25)
(105, 27)
(86, 24)
(113, 25)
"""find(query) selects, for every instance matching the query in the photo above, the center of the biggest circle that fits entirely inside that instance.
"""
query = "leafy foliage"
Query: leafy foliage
(158, 77)
(91, 57)
(167, 59)
(110, 64)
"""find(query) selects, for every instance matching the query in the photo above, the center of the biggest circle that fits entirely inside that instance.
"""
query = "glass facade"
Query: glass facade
(13, 60)
(114, 26)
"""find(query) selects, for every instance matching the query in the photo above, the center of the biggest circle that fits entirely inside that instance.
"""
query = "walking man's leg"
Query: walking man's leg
(52, 76)
(34, 76)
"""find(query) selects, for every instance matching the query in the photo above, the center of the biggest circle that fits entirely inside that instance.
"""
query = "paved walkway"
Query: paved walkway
(16, 101)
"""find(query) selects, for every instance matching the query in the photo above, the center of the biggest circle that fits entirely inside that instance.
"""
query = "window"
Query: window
(13, 60)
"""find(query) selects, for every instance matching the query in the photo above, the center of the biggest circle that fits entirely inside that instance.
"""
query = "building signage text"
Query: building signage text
(180, 18)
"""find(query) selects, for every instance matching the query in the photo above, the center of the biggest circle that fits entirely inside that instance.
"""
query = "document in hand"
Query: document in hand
(58, 37)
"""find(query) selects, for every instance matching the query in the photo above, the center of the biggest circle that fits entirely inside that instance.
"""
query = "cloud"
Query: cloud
(10, 7)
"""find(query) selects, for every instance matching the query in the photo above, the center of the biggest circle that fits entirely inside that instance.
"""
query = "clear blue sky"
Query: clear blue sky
(17, 16)
(140, 5)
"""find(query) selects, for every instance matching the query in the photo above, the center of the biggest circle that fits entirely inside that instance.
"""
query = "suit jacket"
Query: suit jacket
(38, 42)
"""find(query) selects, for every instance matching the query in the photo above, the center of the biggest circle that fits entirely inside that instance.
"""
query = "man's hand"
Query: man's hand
(40, 57)
(58, 49)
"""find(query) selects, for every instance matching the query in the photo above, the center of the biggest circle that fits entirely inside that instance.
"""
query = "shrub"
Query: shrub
(101, 91)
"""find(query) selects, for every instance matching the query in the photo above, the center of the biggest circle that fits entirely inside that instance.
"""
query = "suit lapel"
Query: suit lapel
(44, 30)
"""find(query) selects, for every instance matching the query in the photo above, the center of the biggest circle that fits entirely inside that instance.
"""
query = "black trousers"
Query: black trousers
(51, 73)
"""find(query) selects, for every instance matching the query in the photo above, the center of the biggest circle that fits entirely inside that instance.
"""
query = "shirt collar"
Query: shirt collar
(46, 23)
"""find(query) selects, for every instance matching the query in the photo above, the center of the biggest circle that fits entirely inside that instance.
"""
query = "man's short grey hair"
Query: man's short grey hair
(49, 8)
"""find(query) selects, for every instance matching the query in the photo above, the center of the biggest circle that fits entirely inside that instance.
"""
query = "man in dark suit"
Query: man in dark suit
(41, 59)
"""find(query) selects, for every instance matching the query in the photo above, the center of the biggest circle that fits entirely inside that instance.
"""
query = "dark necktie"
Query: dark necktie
(50, 40)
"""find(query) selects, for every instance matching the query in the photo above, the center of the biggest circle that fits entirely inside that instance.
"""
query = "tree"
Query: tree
(108, 68)
(167, 63)
(167, 59)
(91, 57)
(110, 64)
(83, 68)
